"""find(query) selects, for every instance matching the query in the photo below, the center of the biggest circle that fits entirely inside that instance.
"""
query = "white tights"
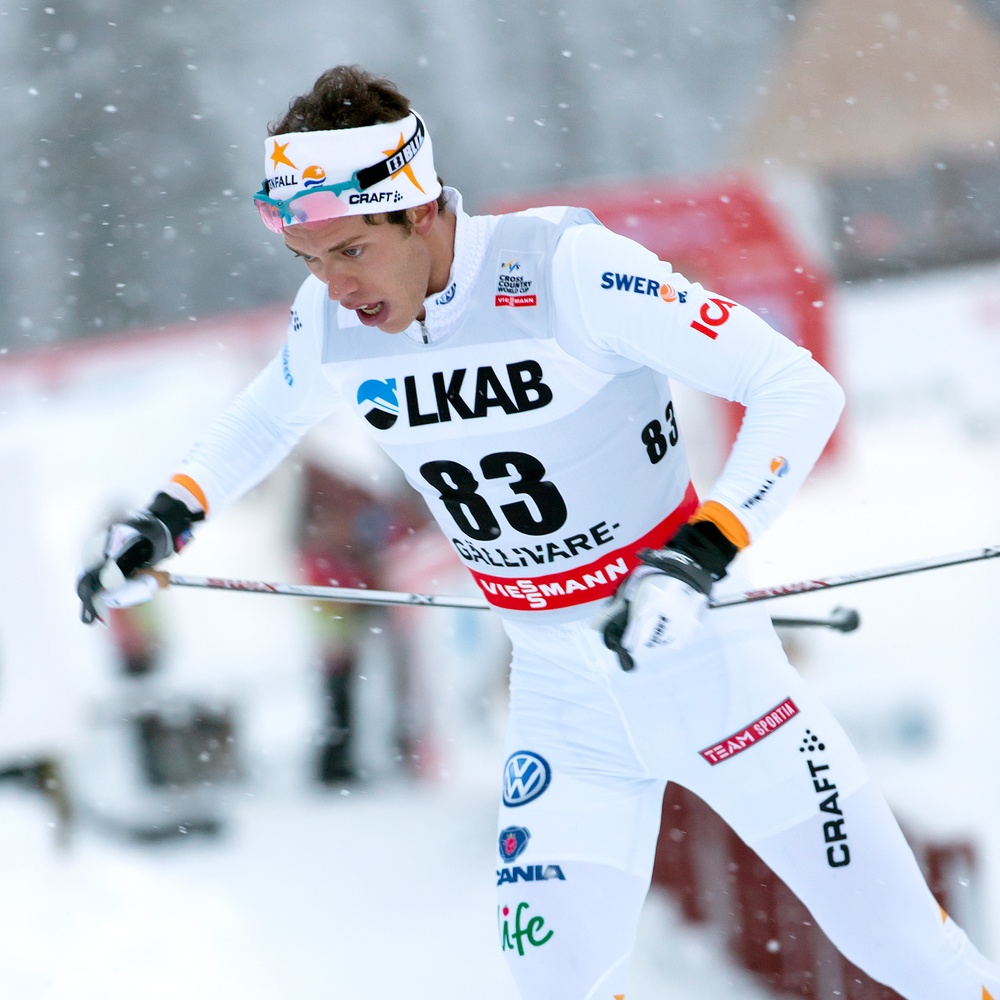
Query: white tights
(590, 751)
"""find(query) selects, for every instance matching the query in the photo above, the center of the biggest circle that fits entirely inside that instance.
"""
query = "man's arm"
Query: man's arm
(625, 309)
(792, 403)
(243, 446)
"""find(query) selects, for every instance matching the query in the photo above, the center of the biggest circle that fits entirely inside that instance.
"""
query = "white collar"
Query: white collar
(444, 310)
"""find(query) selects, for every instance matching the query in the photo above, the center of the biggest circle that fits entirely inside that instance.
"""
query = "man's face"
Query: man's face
(380, 271)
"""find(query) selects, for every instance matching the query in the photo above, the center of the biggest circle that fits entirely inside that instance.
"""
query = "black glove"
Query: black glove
(661, 602)
(135, 543)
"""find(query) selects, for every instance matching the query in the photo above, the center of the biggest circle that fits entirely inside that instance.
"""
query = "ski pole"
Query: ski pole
(864, 576)
(840, 620)
(343, 595)
(349, 595)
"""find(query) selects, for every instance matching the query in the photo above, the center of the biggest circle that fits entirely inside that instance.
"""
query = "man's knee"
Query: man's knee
(566, 927)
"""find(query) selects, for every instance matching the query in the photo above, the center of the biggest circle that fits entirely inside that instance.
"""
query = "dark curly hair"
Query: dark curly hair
(348, 97)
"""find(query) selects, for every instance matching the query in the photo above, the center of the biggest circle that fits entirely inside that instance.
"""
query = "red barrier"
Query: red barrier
(257, 334)
(718, 880)
(726, 233)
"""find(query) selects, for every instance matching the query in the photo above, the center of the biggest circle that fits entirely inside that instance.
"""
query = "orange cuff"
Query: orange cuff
(187, 483)
(725, 520)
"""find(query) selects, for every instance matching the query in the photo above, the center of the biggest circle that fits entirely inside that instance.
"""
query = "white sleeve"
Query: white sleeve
(621, 307)
(266, 420)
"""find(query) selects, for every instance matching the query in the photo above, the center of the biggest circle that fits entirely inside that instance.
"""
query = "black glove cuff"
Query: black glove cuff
(707, 545)
(150, 547)
(176, 516)
(679, 565)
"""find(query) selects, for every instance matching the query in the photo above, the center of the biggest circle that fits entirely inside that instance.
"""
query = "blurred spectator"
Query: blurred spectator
(136, 636)
(42, 699)
(344, 530)
(44, 775)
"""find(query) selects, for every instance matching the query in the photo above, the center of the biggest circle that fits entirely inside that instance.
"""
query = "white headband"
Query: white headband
(375, 168)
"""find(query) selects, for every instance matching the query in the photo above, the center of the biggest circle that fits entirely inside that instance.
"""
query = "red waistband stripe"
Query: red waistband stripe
(591, 582)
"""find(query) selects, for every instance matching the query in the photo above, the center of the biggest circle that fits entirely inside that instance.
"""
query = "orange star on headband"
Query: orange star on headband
(407, 169)
(278, 155)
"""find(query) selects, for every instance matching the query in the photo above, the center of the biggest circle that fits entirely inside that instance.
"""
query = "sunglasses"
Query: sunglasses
(324, 202)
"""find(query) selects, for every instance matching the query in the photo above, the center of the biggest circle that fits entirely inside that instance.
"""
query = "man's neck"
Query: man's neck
(442, 247)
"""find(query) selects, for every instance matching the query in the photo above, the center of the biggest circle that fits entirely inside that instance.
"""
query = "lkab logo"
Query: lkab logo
(382, 402)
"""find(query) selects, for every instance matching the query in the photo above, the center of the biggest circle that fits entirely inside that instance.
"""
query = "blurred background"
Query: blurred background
(236, 795)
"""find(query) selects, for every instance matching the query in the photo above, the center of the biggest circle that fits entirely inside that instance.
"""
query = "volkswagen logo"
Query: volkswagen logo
(525, 776)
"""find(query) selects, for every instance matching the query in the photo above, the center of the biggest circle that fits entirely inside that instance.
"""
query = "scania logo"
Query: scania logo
(525, 776)
(383, 406)
(530, 873)
(513, 841)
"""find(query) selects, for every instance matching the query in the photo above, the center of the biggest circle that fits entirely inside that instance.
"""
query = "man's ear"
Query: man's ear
(423, 217)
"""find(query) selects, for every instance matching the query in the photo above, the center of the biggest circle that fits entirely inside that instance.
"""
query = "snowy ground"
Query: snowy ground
(383, 893)
(387, 891)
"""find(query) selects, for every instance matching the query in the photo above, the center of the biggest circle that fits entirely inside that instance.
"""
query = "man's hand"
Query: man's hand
(127, 546)
(662, 603)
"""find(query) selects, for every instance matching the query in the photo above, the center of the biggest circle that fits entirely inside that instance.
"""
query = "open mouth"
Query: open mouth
(370, 314)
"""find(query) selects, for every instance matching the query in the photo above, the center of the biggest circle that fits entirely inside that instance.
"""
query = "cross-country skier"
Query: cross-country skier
(516, 368)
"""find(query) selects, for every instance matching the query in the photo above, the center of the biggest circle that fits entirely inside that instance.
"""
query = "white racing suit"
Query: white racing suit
(532, 410)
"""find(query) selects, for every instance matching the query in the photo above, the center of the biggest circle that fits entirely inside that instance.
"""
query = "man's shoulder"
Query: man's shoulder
(309, 310)
(545, 226)
(557, 215)
(589, 238)
(311, 291)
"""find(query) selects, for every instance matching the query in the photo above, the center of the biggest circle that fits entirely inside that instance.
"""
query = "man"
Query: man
(516, 368)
